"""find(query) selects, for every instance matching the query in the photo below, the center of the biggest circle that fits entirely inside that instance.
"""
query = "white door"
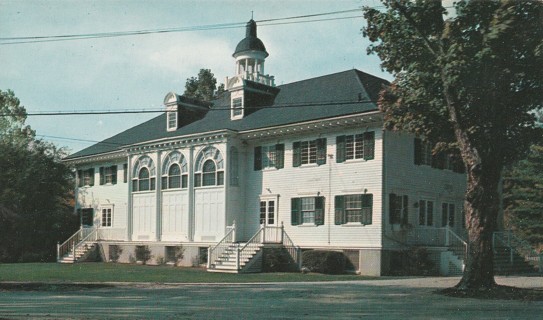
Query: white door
(268, 216)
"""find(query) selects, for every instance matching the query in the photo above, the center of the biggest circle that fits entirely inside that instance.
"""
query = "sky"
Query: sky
(136, 72)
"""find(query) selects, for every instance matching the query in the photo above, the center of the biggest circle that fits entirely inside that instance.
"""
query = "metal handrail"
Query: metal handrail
(449, 232)
(515, 244)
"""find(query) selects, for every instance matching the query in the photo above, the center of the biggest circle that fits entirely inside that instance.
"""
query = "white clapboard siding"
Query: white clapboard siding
(113, 196)
(328, 180)
(419, 182)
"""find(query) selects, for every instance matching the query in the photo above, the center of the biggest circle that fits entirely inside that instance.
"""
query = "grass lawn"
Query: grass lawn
(110, 272)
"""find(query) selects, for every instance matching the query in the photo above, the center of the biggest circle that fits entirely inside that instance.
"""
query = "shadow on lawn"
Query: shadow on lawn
(51, 287)
(497, 293)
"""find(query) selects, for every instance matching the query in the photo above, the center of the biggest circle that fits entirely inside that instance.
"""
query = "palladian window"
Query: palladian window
(209, 168)
(174, 171)
(144, 175)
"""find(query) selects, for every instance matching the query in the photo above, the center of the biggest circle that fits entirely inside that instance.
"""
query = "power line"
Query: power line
(79, 140)
(267, 22)
(132, 111)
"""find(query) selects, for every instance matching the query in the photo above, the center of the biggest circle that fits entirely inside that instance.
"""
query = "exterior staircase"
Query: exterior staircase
(78, 246)
(230, 256)
(249, 260)
(514, 256)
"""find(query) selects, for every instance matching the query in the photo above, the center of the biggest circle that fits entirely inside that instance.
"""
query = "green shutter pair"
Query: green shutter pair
(339, 205)
(279, 157)
(296, 211)
(113, 173)
(369, 146)
(297, 152)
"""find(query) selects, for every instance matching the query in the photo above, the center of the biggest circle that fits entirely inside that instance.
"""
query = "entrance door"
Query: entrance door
(268, 216)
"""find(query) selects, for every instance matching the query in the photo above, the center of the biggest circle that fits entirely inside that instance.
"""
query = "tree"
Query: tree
(203, 87)
(523, 197)
(35, 189)
(469, 84)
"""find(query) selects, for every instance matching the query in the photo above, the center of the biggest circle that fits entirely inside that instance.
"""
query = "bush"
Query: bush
(115, 252)
(277, 260)
(328, 262)
(143, 254)
(412, 262)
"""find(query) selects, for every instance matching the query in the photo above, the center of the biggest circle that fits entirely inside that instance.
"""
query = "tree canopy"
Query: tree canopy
(468, 83)
(35, 190)
(203, 87)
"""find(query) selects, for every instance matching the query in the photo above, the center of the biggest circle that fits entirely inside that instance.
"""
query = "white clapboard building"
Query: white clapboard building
(304, 165)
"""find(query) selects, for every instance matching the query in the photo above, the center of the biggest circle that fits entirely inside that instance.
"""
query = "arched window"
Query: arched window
(144, 175)
(174, 171)
(208, 173)
(209, 168)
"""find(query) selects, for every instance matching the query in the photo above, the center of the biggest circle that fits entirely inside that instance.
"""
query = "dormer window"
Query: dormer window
(172, 120)
(237, 108)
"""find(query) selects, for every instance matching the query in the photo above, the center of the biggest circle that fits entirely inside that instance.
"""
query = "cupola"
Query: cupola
(250, 55)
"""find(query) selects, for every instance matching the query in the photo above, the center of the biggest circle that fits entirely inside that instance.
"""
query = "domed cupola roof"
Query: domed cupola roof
(251, 42)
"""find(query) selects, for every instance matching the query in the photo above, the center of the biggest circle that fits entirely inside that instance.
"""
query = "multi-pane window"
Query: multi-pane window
(106, 219)
(447, 214)
(423, 152)
(172, 120)
(108, 175)
(426, 213)
(209, 168)
(269, 157)
(440, 160)
(174, 171)
(357, 146)
(398, 209)
(144, 175)
(307, 210)
(85, 177)
(267, 212)
(354, 208)
(237, 107)
(312, 151)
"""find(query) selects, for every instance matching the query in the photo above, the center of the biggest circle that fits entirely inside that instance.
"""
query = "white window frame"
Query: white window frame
(426, 222)
(267, 199)
(171, 120)
(236, 109)
(106, 210)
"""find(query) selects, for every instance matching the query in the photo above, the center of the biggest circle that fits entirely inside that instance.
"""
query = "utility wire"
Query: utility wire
(267, 22)
(132, 111)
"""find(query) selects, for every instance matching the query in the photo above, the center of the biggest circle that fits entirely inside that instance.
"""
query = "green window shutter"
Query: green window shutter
(296, 154)
(319, 211)
(367, 202)
(258, 158)
(114, 174)
(102, 176)
(369, 145)
(418, 151)
(321, 151)
(295, 211)
(339, 205)
(91, 177)
(279, 156)
(392, 211)
(405, 213)
(79, 178)
(340, 149)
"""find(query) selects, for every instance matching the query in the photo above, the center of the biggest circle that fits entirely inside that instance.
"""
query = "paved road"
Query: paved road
(376, 299)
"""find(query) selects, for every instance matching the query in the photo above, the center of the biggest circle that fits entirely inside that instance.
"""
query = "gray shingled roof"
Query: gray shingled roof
(333, 95)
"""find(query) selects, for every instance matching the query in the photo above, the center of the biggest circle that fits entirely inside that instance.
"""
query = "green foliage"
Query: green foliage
(327, 262)
(277, 260)
(523, 198)
(35, 190)
(484, 65)
(412, 262)
(203, 87)
(143, 254)
(115, 252)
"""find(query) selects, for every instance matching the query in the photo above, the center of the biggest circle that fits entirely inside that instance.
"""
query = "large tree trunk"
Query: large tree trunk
(481, 207)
